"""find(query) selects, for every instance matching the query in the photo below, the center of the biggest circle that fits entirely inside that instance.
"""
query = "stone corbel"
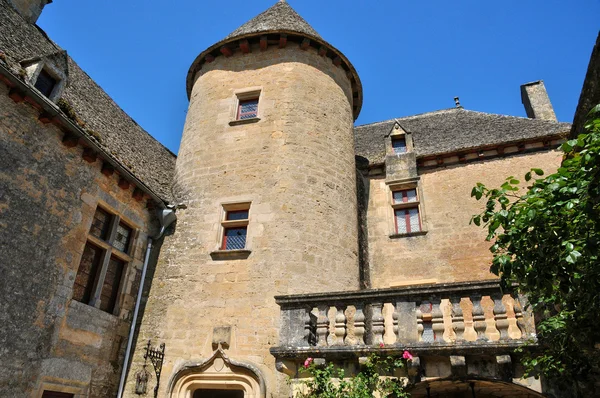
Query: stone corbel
(458, 365)
(504, 367)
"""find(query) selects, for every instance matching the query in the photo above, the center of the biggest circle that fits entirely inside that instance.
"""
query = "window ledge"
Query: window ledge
(396, 236)
(230, 254)
(244, 121)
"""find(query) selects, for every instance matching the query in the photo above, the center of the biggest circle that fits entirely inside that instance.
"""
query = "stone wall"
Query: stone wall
(451, 250)
(296, 167)
(48, 196)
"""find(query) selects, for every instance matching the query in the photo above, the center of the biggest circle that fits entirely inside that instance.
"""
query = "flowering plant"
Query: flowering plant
(374, 379)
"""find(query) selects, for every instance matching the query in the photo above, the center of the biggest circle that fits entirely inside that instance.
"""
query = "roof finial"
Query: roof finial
(457, 102)
(282, 1)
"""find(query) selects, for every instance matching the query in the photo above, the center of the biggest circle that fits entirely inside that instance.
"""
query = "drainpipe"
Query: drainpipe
(166, 217)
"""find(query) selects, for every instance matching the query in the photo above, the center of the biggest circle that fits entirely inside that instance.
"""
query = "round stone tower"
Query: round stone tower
(266, 168)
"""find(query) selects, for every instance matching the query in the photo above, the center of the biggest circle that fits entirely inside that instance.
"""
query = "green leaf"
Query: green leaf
(538, 171)
(572, 257)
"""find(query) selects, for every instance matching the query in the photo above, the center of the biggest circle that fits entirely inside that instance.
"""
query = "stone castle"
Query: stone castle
(281, 231)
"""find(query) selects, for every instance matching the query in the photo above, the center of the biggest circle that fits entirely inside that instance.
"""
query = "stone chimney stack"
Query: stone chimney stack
(536, 101)
(30, 10)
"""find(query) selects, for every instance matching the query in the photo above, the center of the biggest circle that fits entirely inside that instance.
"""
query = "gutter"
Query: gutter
(68, 126)
(166, 217)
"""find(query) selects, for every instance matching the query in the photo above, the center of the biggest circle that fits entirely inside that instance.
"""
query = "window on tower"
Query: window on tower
(235, 226)
(247, 109)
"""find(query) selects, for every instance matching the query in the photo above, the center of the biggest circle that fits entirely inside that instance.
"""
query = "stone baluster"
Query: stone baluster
(437, 322)
(339, 330)
(359, 324)
(322, 325)
(395, 317)
(500, 317)
(306, 319)
(479, 323)
(518, 308)
(458, 321)
(420, 327)
(377, 324)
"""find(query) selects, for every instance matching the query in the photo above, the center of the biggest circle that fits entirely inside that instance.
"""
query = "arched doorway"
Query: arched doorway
(217, 377)
(210, 393)
(471, 389)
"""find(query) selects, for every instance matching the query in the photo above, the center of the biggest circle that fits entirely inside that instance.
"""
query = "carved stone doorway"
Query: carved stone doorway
(208, 393)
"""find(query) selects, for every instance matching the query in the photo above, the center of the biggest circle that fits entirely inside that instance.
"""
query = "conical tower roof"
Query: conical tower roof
(278, 26)
(280, 17)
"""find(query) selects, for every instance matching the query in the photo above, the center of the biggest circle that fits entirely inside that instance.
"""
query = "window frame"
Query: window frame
(247, 94)
(108, 251)
(230, 224)
(417, 204)
(35, 68)
(399, 137)
(241, 103)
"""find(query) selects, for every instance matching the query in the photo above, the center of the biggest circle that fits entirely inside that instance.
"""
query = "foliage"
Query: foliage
(546, 242)
(374, 377)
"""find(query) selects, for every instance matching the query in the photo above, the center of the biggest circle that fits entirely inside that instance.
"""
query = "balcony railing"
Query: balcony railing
(451, 315)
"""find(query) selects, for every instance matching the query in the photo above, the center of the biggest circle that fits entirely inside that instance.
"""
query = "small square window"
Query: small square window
(234, 238)
(123, 238)
(45, 83)
(408, 220)
(235, 227)
(399, 145)
(100, 224)
(247, 109)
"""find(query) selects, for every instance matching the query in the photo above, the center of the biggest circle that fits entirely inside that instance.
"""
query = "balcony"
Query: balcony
(450, 320)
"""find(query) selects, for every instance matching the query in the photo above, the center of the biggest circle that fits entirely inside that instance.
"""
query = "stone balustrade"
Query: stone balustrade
(450, 315)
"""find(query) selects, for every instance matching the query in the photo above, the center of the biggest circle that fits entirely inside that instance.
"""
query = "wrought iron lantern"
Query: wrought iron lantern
(141, 381)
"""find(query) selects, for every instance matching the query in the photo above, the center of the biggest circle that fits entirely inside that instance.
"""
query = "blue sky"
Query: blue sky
(412, 56)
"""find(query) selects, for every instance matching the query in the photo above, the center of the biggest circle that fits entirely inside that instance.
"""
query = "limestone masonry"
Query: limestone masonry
(281, 231)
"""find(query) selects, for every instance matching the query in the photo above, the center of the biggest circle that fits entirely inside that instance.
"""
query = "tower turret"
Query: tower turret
(266, 168)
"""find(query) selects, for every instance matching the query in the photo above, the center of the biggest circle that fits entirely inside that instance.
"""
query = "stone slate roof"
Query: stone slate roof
(114, 130)
(452, 130)
(280, 17)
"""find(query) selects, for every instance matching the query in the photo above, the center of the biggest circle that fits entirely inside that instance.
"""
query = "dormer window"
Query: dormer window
(48, 74)
(45, 83)
(399, 145)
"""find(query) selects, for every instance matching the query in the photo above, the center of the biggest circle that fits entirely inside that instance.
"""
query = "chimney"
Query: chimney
(535, 99)
(30, 10)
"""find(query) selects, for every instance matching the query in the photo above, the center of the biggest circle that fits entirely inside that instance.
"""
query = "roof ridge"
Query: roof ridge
(398, 119)
(449, 110)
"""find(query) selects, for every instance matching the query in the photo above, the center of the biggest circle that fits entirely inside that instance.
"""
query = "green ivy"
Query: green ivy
(546, 241)
(374, 377)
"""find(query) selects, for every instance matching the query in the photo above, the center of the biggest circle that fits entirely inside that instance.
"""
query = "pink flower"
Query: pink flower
(381, 345)
(407, 355)
(307, 362)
